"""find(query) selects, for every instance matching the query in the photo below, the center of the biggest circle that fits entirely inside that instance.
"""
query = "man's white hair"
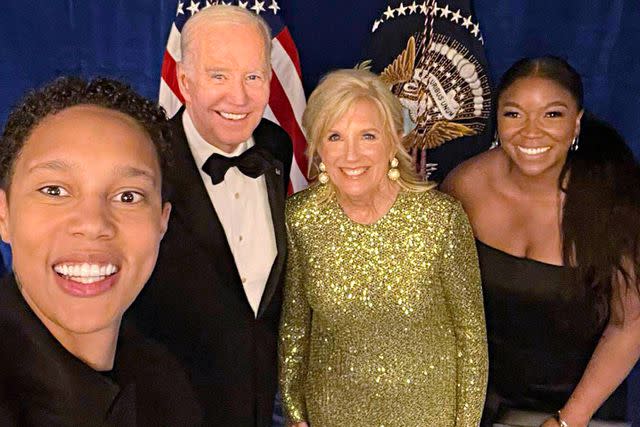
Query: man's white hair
(220, 13)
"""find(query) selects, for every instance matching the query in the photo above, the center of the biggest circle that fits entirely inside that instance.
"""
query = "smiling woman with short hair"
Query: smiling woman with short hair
(81, 205)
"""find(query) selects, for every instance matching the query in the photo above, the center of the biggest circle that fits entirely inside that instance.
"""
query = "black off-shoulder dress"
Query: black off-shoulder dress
(542, 330)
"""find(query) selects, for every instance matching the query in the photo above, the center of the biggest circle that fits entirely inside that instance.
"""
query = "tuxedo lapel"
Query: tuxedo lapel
(196, 303)
(276, 179)
(275, 191)
(192, 205)
(193, 209)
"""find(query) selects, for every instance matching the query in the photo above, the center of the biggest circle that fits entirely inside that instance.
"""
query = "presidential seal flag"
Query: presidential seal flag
(431, 55)
(287, 101)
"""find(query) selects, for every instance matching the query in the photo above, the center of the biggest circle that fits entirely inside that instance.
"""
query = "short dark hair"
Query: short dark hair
(66, 92)
(549, 67)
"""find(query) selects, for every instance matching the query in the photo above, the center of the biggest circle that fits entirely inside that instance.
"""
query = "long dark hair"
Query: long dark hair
(601, 213)
(600, 226)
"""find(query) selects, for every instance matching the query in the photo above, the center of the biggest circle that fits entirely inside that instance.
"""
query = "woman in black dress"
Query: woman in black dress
(556, 213)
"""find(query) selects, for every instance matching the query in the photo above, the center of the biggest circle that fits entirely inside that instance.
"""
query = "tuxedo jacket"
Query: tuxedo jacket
(42, 384)
(195, 302)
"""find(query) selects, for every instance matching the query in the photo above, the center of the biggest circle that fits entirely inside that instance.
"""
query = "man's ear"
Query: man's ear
(4, 216)
(183, 81)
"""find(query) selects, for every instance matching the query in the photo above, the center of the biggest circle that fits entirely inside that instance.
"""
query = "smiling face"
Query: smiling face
(356, 153)
(84, 218)
(225, 82)
(537, 121)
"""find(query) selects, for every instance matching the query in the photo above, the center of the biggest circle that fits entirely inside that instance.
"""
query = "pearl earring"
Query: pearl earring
(393, 173)
(323, 177)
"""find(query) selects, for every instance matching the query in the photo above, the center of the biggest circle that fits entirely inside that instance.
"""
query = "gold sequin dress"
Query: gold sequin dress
(382, 324)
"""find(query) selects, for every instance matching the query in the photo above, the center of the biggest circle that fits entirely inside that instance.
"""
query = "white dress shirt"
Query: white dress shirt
(242, 204)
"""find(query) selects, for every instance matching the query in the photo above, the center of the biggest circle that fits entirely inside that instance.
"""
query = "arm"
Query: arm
(295, 327)
(461, 281)
(615, 355)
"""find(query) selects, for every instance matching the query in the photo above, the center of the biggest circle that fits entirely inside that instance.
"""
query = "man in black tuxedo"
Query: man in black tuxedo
(214, 298)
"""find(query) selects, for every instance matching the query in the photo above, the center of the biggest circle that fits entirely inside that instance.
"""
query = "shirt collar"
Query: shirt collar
(201, 149)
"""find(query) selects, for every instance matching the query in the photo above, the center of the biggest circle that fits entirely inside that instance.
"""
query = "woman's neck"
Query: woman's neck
(540, 186)
(370, 208)
(97, 349)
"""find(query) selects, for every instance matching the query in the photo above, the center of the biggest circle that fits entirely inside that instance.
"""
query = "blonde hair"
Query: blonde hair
(220, 13)
(337, 92)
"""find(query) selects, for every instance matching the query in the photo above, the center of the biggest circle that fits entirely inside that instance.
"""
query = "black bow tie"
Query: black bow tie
(253, 163)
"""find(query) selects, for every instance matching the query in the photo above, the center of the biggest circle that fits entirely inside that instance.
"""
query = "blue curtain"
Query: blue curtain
(42, 39)
(125, 38)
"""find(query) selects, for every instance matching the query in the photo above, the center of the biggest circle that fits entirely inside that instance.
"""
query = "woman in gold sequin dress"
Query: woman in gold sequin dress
(383, 323)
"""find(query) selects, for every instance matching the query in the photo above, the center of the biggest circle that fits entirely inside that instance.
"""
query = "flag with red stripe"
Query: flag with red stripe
(287, 101)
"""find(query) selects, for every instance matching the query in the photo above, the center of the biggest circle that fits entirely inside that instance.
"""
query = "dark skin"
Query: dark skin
(512, 198)
(504, 215)
(511, 194)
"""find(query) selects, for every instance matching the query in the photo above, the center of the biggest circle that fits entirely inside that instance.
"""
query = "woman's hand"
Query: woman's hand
(300, 424)
(550, 422)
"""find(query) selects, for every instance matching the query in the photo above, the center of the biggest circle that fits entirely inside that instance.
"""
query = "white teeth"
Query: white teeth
(354, 172)
(85, 272)
(87, 280)
(232, 116)
(533, 151)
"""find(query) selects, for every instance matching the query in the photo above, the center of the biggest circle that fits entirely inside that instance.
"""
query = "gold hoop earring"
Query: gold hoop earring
(393, 173)
(323, 177)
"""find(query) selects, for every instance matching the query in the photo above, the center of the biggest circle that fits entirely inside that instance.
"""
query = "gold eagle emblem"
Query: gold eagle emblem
(401, 69)
(430, 131)
(439, 133)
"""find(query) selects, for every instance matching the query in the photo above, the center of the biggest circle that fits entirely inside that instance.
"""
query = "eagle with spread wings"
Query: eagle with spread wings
(429, 131)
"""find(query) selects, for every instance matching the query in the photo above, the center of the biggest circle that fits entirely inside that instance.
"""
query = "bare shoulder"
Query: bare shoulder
(471, 178)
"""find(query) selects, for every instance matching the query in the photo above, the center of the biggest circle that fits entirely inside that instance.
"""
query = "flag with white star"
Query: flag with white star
(431, 55)
(287, 101)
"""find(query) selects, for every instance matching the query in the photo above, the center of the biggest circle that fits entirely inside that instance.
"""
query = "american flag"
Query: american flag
(287, 101)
